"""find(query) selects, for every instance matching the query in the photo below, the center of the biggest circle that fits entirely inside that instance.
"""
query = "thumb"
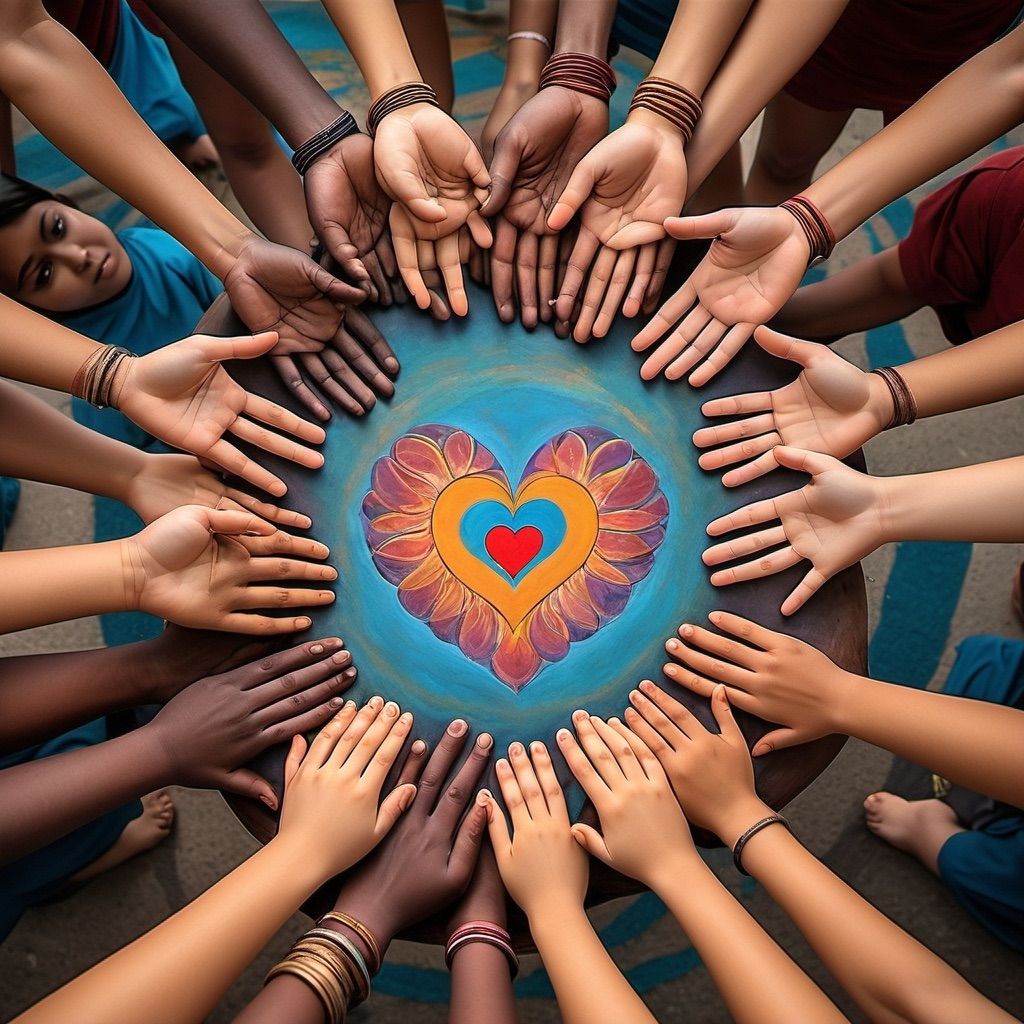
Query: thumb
(784, 347)
(779, 739)
(574, 195)
(722, 710)
(296, 752)
(497, 826)
(473, 164)
(237, 522)
(245, 346)
(466, 848)
(327, 284)
(508, 151)
(247, 783)
(593, 842)
(708, 225)
(397, 802)
(803, 461)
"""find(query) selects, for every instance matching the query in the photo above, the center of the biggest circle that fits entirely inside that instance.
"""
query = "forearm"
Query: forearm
(185, 965)
(867, 294)
(979, 503)
(481, 987)
(584, 26)
(40, 801)
(44, 445)
(890, 975)
(988, 369)
(240, 40)
(757, 980)
(373, 32)
(977, 103)
(58, 584)
(54, 81)
(773, 44)
(974, 743)
(588, 985)
(697, 41)
(8, 161)
(526, 57)
(44, 695)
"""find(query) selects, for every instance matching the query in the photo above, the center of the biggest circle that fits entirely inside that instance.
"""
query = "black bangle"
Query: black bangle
(317, 145)
(737, 850)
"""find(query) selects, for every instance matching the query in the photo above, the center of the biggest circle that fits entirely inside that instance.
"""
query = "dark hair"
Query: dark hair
(18, 195)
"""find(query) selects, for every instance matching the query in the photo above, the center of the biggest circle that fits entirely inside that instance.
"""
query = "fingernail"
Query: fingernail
(633, 694)
(266, 799)
(418, 747)
(406, 719)
(390, 710)
(580, 716)
(335, 702)
(673, 645)
(303, 623)
(483, 796)
(484, 741)
(647, 686)
(391, 365)
(341, 658)
(515, 749)
(457, 728)
(563, 736)
(349, 704)
(316, 649)
(537, 747)
(715, 617)
(327, 573)
(375, 702)
(349, 673)
(614, 721)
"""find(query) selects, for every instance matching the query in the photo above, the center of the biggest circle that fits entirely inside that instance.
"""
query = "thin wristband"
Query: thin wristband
(400, 96)
(904, 405)
(535, 37)
(328, 137)
(758, 826)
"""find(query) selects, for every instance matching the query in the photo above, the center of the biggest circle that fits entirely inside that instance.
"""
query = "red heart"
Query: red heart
(513, 551)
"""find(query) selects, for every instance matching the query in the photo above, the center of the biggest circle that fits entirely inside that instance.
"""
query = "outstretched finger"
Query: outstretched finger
(803, 591)
(450, 265)
(669, 314)
(526, 278)
(767, 565)
(276, 444)
(750, 515)
(546, 275)
(574, 195)
(361, 327)
(641, 280)
(403, 237)
(723, 354)
(753, 426)
(228, 457)
(580, 258)
(264, 509)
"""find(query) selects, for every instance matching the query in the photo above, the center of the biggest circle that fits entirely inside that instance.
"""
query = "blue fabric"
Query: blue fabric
(168, 293)
(985, 868)
(41, 875)
(643, 25)
(144, 71)
(9, 493)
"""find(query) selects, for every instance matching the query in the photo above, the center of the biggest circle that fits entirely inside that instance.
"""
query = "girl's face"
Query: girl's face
(59, 259)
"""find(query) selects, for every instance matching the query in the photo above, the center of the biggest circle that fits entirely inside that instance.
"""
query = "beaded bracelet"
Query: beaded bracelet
(671, 101)
(394, 99)
(580, 72)
(486, 932)
(820, 236)
(535, 37)
(361, 930)
(94, 381)
(904, 405)
(316, 145)
(737, 850)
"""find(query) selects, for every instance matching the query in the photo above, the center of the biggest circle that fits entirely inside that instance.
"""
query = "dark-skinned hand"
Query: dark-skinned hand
(213, 727)
(485, 899)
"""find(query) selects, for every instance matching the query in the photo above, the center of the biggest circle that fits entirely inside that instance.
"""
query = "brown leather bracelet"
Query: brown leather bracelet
(581, 72)
(404, 95)
(669, 100)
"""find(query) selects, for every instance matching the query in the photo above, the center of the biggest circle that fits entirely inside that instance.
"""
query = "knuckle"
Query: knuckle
(299, 700)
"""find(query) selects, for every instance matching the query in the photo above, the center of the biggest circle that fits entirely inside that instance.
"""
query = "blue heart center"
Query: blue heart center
(479, 519)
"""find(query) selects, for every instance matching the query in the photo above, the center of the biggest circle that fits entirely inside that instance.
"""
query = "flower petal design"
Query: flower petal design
(628, 505)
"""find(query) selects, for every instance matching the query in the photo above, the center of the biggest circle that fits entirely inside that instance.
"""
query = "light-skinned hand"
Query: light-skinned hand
(832, 408)
(833, 522)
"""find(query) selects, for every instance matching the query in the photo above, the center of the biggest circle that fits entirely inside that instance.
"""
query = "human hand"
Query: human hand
(623, 189)
(183, 395)
(542, 866)
(534, 157)
(755, 263)
(166, 482)
(333, 814)
(190, 567)
(436, 176)
(771, 675)
(832, 408)
(349, 212)
(511, 96)
(833, 522)
(485, 898)
(711, 773)
(356, 365)
(276, 288)
(429, 859)
(643, 831)
(213, 727)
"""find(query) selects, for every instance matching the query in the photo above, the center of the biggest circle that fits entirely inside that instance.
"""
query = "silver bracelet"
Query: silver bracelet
(535, 36)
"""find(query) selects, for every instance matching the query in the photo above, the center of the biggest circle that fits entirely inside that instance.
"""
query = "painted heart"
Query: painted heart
(513, 578)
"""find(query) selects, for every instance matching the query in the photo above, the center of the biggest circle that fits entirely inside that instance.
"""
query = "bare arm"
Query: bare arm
(8, 162)
(867, 294)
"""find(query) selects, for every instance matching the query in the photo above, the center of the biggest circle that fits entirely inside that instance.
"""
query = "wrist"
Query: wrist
(133, 574)
(739, 817)
(551, 918)
(228, 249)
(650, 119)
(684, 865)
(880, 404)
(372, 913)
(846, 692)
(892, 502)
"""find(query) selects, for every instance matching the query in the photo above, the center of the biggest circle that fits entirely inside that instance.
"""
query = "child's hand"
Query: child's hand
(333, 813)
(166, 482)
(771, 675)
(711, 774)
(753, 266)
(218, 724)
(832, 408)
(541, 864)
(193, 568)
(183, 395)
(643, 831)
(832, 522)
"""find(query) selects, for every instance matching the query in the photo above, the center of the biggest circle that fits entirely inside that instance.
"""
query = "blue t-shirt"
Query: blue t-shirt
(168, 293)
(642, 25)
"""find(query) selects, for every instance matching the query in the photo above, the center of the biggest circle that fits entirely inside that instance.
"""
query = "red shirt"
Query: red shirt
(886, 54)
(93, 22)
(964, 255)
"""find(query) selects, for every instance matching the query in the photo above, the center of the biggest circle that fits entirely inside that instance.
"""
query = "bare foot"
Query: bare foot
(918, 827)
(139, 835)
(198, 154)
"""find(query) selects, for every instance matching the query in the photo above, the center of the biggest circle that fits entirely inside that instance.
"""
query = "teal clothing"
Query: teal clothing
(143, 70)
(169, 292)
(9, 492)
(984, 867)
(42, 875)
(642, 25)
